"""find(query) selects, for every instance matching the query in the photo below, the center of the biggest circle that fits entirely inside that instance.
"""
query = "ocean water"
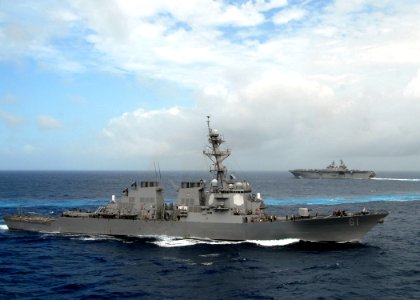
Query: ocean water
(386, 265)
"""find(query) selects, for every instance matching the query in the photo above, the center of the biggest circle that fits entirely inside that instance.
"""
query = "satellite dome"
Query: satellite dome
(214, 132)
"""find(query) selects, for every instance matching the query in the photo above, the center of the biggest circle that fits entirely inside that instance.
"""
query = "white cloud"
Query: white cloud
(174, 42)
(48, 122)
(167, 136)
(413, 87)
(275, 122)
(266, 5)
(285, 16)
(264, 110)
(10, 120)
(207, 13)
(331, 82)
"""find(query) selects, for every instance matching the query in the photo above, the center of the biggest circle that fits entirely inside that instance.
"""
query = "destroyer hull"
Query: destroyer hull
(321, 174)
(314, 229)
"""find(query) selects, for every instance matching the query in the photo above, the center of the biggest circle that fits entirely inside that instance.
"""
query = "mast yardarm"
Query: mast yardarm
(216, 155)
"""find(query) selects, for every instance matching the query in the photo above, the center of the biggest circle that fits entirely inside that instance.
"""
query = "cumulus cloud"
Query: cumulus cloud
(48, 122)
(150, 132)
(275, 122)
(265, 110)
(322, 87)
(325, 79)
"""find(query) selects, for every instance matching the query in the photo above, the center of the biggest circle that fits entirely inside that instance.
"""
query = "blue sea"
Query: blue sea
(385, 265)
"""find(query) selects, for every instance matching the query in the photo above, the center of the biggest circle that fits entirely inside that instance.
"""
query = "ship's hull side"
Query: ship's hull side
(327, 229)
(325, 174)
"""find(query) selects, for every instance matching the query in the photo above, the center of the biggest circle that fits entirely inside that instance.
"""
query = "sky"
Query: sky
(125, 85)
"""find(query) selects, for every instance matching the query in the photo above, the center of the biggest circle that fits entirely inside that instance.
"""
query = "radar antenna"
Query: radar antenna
(217, 156)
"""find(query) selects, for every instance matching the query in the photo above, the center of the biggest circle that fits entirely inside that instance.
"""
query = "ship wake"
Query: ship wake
(396, 179)
(170, 242)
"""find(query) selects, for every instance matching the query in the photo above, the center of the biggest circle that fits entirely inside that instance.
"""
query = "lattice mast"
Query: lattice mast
(217, 156)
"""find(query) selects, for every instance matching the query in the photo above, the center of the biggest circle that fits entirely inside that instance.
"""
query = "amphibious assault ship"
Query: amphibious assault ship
(225, 209)
(333, 171)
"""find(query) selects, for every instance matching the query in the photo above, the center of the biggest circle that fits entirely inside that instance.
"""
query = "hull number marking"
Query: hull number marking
(354, 221)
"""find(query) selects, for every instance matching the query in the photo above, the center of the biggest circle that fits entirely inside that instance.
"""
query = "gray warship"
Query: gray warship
(333, 171)
(224, 209)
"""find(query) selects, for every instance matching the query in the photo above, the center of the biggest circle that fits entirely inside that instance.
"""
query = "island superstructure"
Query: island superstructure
(224, 209)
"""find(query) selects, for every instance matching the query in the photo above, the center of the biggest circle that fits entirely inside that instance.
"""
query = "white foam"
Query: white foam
(210, 255)
(89, 238)
(98, 238)
(167, 242)
(274, 243)
(84, 237)
(396, 179)
(4, 227)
